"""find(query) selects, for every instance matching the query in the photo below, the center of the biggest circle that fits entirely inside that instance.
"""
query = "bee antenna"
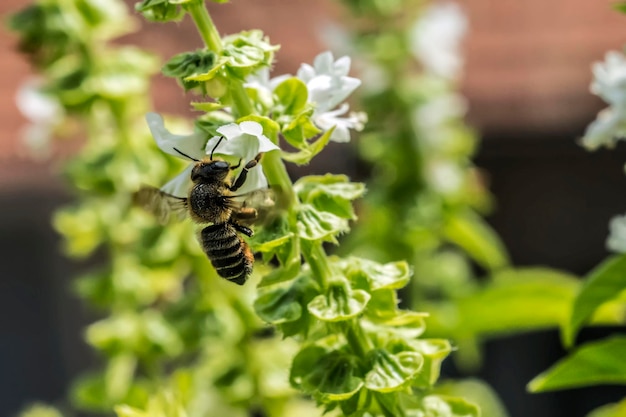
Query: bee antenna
(186, 156)
(216, 145)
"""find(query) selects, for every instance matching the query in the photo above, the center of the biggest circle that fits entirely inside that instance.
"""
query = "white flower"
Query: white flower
(328, 85)
(617, 236)
(610, 84)
(435, 39)
(609, 126)
(241, 141)
(43, 112)
(610, 79)
(444, 176)
(265, 85)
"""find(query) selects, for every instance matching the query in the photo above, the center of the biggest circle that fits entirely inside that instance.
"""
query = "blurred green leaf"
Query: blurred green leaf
(40, 410)
(620, 6)
(610, 410)
(470, 232)
(516, 300)
(436, 405)
(477, 392)
(595, 363)
(602, 284)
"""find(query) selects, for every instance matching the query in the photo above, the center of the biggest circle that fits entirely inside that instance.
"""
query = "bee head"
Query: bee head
(214, 171)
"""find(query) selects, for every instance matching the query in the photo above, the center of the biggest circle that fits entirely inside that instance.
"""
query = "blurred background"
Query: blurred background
(526, 79)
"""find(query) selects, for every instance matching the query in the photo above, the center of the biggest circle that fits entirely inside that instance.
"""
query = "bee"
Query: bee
(212, 199)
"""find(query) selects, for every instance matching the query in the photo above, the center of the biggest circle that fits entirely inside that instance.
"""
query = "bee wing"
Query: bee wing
(160, 203)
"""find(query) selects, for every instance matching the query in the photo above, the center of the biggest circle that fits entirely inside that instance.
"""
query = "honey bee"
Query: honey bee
(212, 200)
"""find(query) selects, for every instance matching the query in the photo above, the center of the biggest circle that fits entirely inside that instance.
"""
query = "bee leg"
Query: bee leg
(245, 214)
(244, 173)
(242, 229)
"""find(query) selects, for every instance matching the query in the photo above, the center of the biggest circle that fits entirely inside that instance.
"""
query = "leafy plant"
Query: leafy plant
(179, 340)
(600, 300)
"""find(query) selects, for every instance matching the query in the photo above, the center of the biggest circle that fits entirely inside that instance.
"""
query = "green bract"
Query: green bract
(339, 303)
(326, 375)
(160, 10)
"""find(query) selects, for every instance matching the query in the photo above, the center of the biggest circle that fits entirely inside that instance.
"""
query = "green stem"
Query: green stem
(315, 256)
(200, 15)
(357, 340)
(241, 101)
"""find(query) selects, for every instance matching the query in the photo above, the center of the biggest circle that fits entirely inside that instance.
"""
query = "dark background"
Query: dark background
(527, 77)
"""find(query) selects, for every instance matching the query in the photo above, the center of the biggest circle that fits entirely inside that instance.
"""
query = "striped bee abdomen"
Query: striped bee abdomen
(228, 252)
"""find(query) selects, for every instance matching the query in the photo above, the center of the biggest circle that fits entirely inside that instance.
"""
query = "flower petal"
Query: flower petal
(191, 145)
(180, 185)
(251, 128)
(229, 131)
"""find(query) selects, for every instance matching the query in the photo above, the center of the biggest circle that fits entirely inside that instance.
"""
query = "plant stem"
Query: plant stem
(315, 255)
(241, 101)
(357, 340)
(200, 15)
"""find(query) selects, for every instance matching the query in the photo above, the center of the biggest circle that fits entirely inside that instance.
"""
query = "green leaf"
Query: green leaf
(328, 376)
(474, 235)
(160, 10)
(602, 284)
(476, 392)
(392, 372)
(434, 351)
(207, 106)
(247, 52)
(340, 303)
(119, 375)
(595, 363)
(285, 302)
(305, 155)
(189, 63)
(299, 129)
(331, 193)
(437, 405)
(393, 275)
(270, 127)
(319, 225)
(610, 410)
(292, 95)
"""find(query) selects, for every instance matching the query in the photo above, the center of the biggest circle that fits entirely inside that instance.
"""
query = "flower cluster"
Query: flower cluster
(609, 83)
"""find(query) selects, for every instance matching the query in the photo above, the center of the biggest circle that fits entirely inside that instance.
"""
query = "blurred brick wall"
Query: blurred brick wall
(527, 72)
(528, 63)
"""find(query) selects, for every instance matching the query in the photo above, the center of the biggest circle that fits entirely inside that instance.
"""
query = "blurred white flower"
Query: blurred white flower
(610, 84)
(435, 39)
(444, 176)
(43, 112)
(606, 130)
(438, 110)
(328, 84)
(241, 141)
(616, 241)
(609, 80)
